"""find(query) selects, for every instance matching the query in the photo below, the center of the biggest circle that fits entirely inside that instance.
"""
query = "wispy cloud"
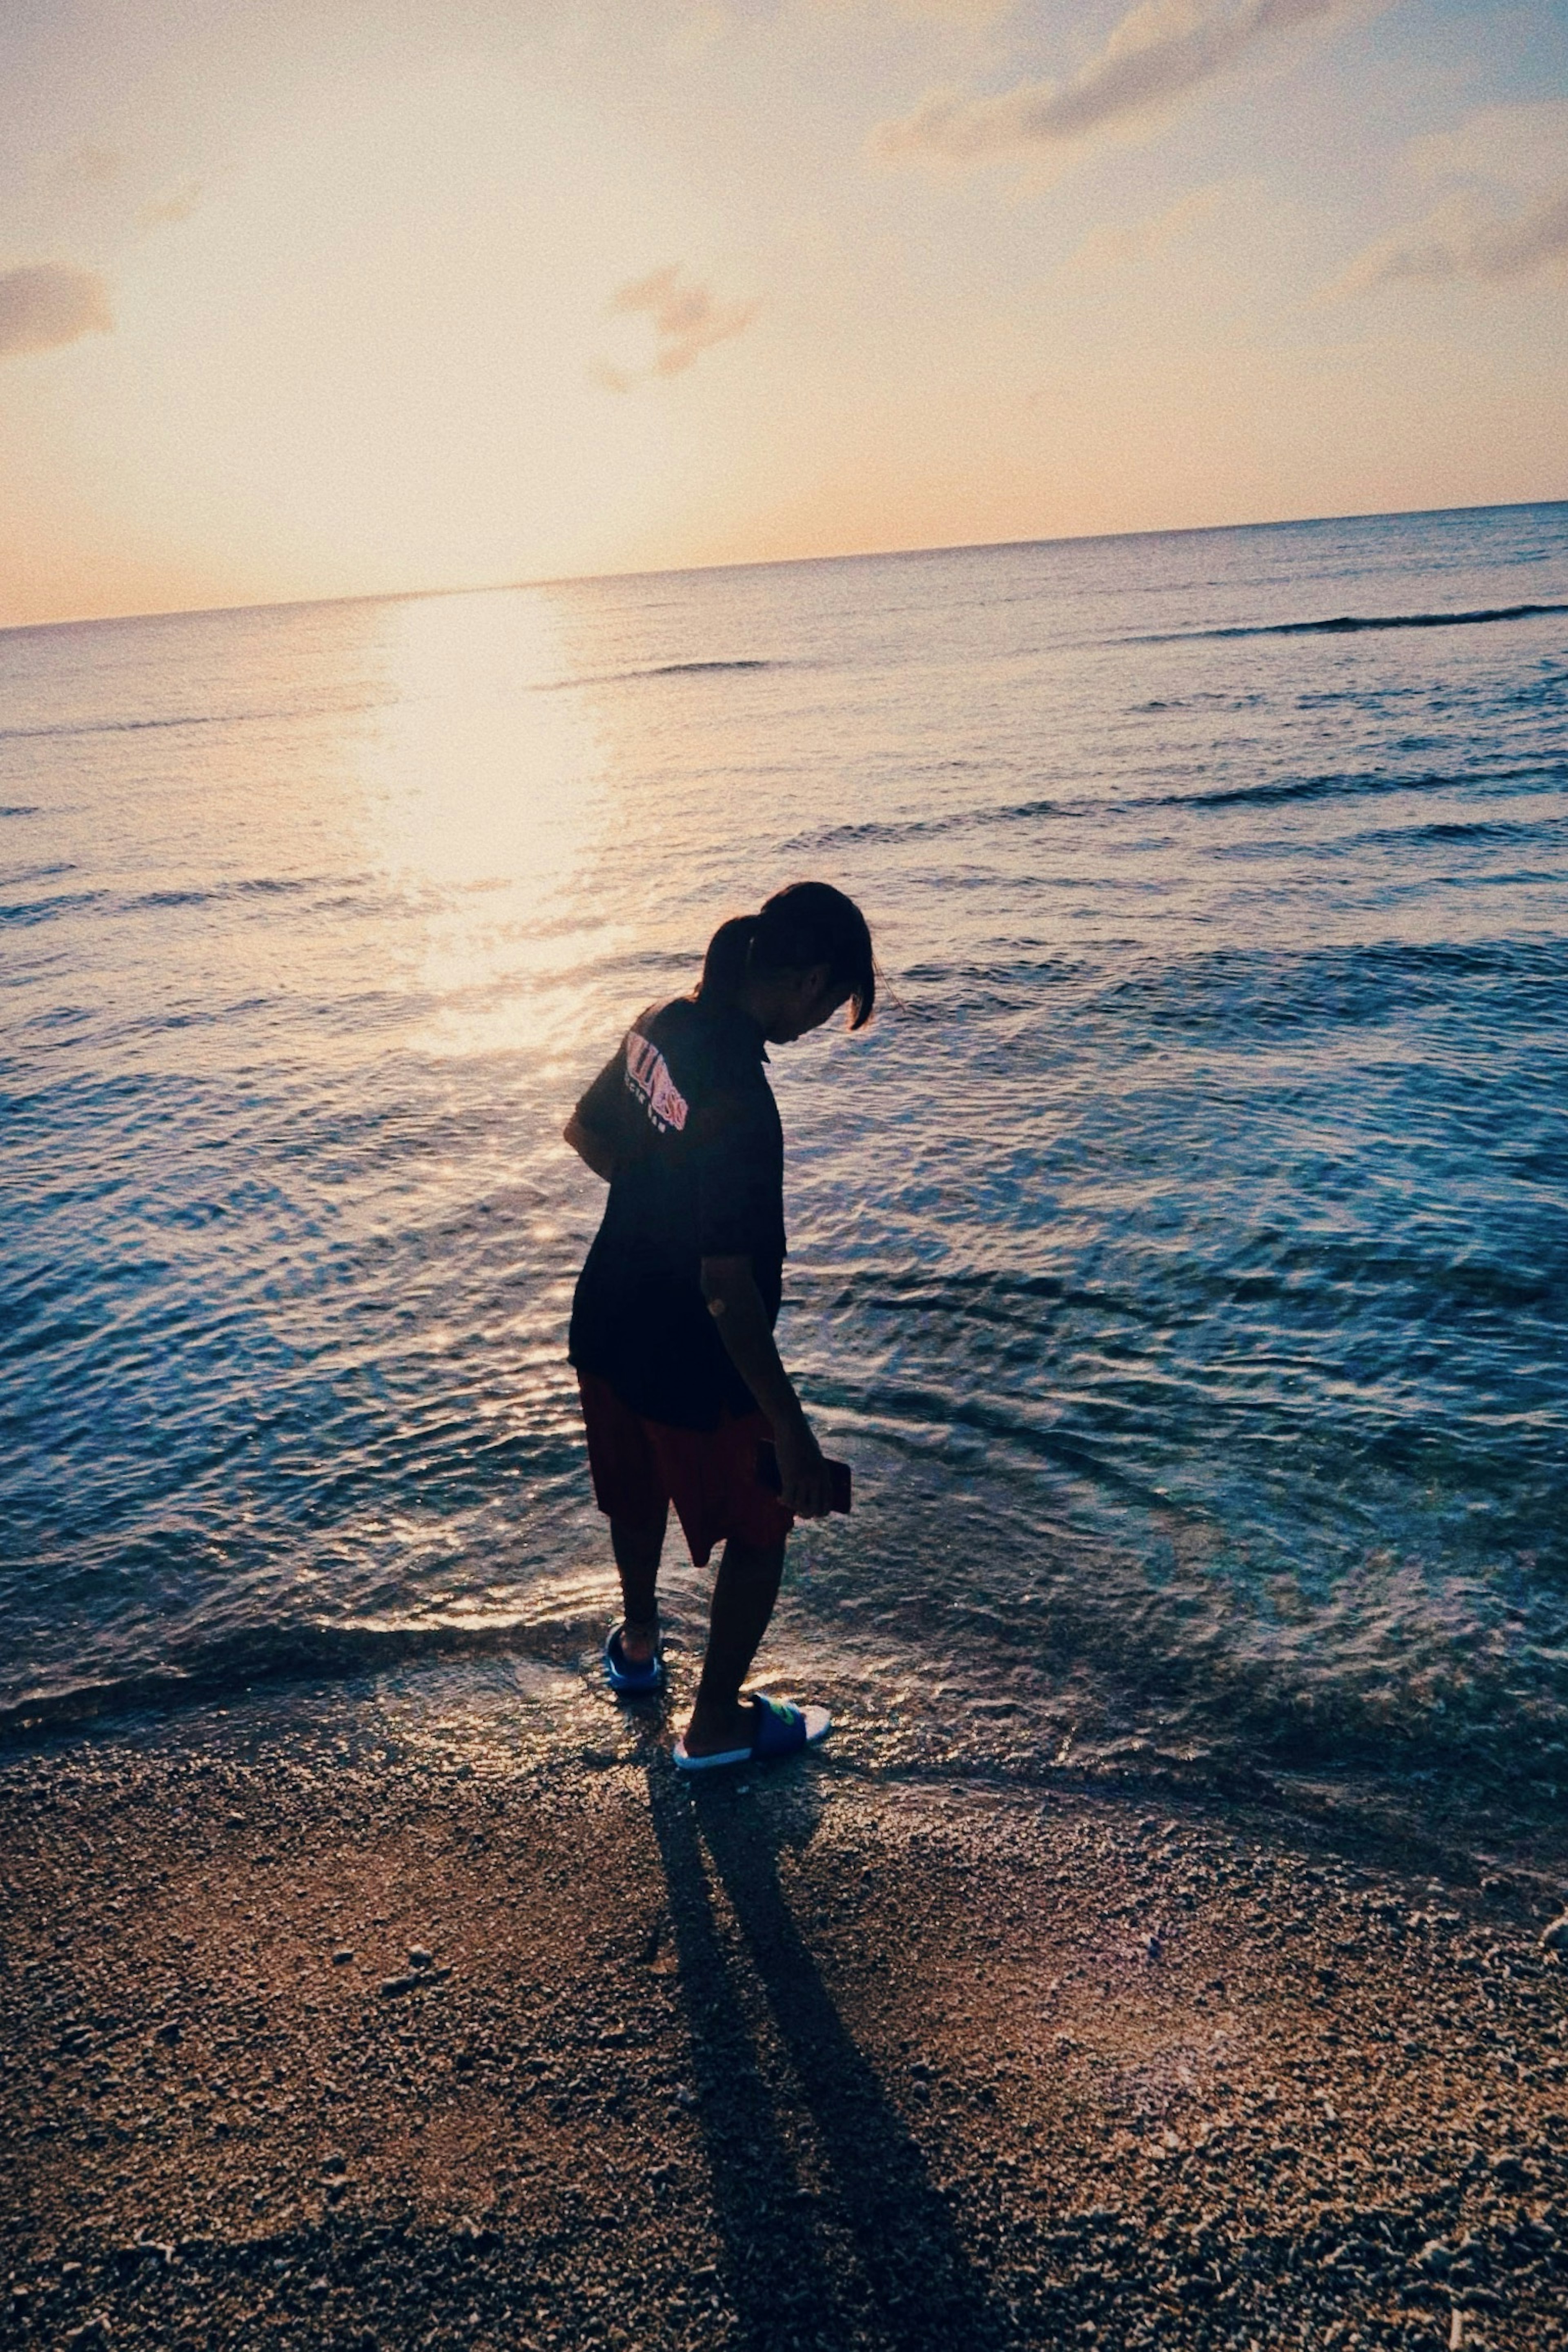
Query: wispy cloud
(1487, 247)
(178, 204)
(1520, 146)
(46, 303)
(1504, 218)
(93, 164)
(686, 320)
(1113, 249)
(941, 12)
(1160, 54)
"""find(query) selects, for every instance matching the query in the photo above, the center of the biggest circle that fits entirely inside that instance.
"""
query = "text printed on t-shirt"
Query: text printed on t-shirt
(648, 1079)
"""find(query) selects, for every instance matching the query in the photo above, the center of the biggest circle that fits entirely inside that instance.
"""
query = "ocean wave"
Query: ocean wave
(114, 902)
(26, 912)
(1345, 624)
(303, 1653)
(193, 719)
(1482, 829)
(1318, 972)
(927, 828)
(983, 1294)
(1204, 701)
(888, 832)
(1337, 784)
(658, 669)
(1255, 993)
(252, 886)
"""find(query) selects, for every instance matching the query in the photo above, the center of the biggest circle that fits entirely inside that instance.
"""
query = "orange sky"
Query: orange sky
(384, 294)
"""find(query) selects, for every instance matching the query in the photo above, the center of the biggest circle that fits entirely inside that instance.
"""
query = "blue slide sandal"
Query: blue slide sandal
(628, 1681)
(779, 1730)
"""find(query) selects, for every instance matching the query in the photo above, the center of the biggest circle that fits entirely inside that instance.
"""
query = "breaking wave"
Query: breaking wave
(1346, 624)
(657, 669)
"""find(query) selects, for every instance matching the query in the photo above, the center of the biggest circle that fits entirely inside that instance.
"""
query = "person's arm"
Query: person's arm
(591, 1130)
(736, 1305)
(594, 1150)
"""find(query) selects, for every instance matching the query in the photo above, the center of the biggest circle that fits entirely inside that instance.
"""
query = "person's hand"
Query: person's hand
(806, 1485)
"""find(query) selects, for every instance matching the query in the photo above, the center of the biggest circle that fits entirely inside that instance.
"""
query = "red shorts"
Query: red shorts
(710, 1474)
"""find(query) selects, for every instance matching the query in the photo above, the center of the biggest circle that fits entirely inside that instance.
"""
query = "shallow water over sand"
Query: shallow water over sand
(1180, 1259)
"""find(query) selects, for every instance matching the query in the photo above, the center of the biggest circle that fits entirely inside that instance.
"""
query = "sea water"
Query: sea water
(1179, 1258)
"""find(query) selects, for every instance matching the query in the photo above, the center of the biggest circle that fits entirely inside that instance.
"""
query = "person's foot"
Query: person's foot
(634, 1665)
(716, 1729)
(756, 1730)
(640, 1643)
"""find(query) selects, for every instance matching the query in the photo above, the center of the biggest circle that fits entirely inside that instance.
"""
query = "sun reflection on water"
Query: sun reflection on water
(483, 794)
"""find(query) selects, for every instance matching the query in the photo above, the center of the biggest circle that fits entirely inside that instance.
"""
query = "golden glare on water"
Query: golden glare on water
(483, 787)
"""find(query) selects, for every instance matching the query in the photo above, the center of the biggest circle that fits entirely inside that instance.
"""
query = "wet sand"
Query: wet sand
(320, 2039)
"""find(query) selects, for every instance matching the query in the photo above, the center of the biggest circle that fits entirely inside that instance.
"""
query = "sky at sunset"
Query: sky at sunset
(366, 295)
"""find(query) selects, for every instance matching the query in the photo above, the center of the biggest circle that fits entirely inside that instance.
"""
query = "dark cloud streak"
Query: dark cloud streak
(46, 303)
(1158, 55)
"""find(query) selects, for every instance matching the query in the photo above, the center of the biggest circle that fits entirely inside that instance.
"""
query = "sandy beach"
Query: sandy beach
(323, 2028)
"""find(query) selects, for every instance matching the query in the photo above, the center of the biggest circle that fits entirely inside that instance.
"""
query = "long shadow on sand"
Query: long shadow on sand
(883, 2261)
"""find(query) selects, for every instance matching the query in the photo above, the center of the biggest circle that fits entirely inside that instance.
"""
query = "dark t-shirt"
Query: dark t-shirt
(698, 1173)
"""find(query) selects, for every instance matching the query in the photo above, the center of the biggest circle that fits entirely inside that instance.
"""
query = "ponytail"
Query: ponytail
(729, 953)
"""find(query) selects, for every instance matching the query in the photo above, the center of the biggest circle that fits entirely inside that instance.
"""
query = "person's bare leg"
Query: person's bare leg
(743, 1595)
(637, 1550)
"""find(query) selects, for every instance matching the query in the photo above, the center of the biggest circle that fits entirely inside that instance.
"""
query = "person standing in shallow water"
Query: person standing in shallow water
(672, 1325)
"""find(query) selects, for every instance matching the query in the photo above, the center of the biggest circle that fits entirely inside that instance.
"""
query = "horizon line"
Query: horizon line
(765, 563)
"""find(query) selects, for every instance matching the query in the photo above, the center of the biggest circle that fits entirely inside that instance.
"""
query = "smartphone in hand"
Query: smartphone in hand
(770, 1476)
